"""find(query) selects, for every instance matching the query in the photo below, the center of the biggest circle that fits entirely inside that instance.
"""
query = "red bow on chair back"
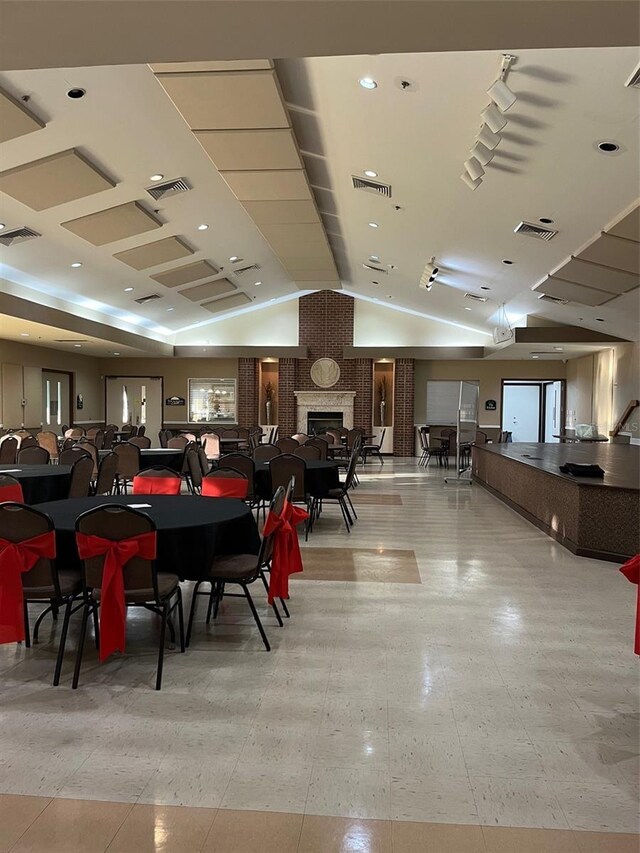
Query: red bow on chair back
(113, 608)
(286, 559)
(11, 492)
(225, 487)
(631, 571)
(16, 558)
(156, 485)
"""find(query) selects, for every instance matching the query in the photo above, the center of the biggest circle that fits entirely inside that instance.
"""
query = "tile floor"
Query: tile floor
(491, 705)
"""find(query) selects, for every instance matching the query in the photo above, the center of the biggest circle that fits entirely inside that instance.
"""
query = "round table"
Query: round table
(41, 482)
(191, 530)
(320, 476)
(168, 457)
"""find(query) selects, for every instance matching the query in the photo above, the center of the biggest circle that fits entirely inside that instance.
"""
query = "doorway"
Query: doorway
(532, 410)
(56, 400)
(135, 400)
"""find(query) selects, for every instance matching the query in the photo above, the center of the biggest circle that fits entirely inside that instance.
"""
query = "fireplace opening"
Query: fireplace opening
(320, 422)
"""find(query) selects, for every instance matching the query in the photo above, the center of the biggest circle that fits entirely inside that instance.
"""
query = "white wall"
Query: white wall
(377, 325)
(275, 325)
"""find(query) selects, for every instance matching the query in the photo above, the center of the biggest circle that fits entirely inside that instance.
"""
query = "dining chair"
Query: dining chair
(74, 432)
(141, 441)
(28, 441)
(49, 440)
(241, 570)
(194, 471)
(128, 464)
(156, 480)
(321, 443)
(142, 430)
(205, 464)
(265, 452)
(225, 483)
(143, 585)
(339, 495)
(109, 438)
(308, 452)
(162, 438)
(10, 489)
(287, 445)
(178, 442)
(81, 477)
(43, 583)
(32, 455)
(8, 449)
(300, 437)
(282, 469)
(70, 455)
(92, 450)
(245, 465)
(107, 471)
(211, 444)
(374, 449)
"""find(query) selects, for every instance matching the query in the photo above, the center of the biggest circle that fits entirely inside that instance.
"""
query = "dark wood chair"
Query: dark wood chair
(32, 455)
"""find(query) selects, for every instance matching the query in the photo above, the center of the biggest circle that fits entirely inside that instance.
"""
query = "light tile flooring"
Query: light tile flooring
(493, 706)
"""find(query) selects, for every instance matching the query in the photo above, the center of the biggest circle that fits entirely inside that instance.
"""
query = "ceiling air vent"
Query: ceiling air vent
(169, 188)
(71, 340)
(18, 235)
(144, 299)
(475, 297)
(555, 299)
(375, 269)
(537, 231)
(250, 268)
(371, 186)
(634, 80)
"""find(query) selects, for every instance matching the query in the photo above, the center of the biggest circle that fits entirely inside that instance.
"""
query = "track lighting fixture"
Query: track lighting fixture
(499, 92)
(481, 153)
(473, 185)
(493, 118)
(488, 137)
(429, 275)
(474, 168)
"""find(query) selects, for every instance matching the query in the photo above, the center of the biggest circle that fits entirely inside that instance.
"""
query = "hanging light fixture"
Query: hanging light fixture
(473, 185)
(482, 154)
(493, 118)
(488, 137)
(474, 168)
(499, 92)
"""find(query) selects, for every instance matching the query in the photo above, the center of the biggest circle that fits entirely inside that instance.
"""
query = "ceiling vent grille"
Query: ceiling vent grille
(18, 235)
(71, 340)
(555, 299)
(475, 297)
(371, 186)
(250, 268)
(169, 188)
(144, 299)
(634, 80)
(375, 269)
(537, 231)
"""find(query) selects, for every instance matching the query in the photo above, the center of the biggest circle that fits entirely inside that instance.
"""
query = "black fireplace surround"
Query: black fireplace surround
(320, 422)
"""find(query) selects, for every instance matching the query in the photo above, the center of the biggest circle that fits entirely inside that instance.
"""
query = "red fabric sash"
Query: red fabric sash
(631, 571)
(113, 609)
(225, 487)
(156, 485)
(16, 558)
(286, 559)
(11, 492)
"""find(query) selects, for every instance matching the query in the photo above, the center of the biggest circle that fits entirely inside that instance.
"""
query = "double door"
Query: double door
(135, 400)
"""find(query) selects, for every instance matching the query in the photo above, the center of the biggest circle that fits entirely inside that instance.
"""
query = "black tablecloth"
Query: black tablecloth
(191, 530)
(164, 456)
(41, 482)
(320, 476)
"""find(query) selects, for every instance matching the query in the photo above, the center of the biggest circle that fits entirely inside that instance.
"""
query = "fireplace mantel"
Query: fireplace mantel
(331, 401)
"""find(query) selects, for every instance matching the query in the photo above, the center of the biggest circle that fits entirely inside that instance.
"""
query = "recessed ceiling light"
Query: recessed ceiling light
(370, 173)
(202, 227)
(374, 258)
(24, 334)
(257, 283)
(546, 220)
(171, 309)
(1, 225)
(76, 264)
(535, 356)
(156, 177)
(116, 353)
(558, 349)
(507, 262)
(77, 346)
(389, 296)
(76, 93)
(466, 308)
(599, 320)
(234, 258)
(128, 289)
(373, 225)
(375, 282)
(367, 83)
(608, 147)
(484, 287)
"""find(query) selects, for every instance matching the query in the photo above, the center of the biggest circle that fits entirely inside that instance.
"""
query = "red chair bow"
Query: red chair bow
(156, 485)
(225, 487)
(16, 558)
(286, 559)
(11, 492)
(113, 608)
(631, 571)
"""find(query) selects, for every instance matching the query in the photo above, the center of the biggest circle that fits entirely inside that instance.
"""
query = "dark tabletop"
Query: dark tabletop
(168, 457)
(320, 476)
(41, 482)
(191, 530)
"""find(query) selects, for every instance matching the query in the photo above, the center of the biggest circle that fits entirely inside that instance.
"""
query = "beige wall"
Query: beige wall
(175, 373)
(600, 386)
(29, 358)
(488, 373)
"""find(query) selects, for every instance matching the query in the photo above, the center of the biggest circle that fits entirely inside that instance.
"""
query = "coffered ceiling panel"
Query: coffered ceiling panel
(227, 101)
(308, 239)
(222, 65)
(614, 252)
(154, 254)
(629, 227)
(597, 276)
(54, 180)
(263, 212)
(250, 149)
(226, 303)
(573, 292)
(186, 274)
(209, 290)
(115, 223)
(316, 261)
(15, 119)
(268, 185)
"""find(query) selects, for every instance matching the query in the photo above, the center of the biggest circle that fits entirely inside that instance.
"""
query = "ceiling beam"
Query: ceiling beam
(72, 33)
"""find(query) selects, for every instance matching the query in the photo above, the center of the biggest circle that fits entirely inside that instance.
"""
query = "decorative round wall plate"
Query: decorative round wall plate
(325, 372)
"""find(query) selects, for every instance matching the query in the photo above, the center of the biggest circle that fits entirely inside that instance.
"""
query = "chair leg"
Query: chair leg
(62, 642)
(245, 589)
(83, 631)
(27, 631)
(355, 514)
(344, 515)
(36, 627)
(163, 628)
(275, 609)
(212, 598)
(180, 620)
(192, 612)
(96, 627)
(284, 608)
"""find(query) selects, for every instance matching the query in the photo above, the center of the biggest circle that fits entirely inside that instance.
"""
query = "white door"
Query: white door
(521, 411)
(552, 406)
(56, 398)
(136, 400)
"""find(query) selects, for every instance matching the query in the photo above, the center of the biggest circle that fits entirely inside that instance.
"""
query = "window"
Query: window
(59, 404)
(48, 388)
(443, 402)
(125, 405)
(212, 400)
(143, 404)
